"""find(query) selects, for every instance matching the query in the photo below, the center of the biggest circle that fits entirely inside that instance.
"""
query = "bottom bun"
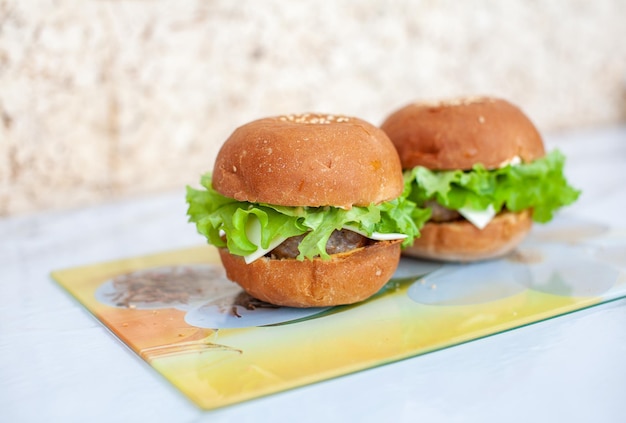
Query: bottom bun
(344, 279)
(462, 242)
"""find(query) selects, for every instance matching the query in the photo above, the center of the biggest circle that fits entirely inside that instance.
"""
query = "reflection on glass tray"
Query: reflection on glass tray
(220, 346)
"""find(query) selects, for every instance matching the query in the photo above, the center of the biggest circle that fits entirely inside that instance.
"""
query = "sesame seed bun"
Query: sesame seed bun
(346, 278)
(309, 160)
(458, 133)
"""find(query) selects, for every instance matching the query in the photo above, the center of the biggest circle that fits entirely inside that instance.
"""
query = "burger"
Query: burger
(306, 210)
(480, 166)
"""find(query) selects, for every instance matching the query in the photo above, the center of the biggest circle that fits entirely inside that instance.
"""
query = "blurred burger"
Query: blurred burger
(480, 166)
(307, 210)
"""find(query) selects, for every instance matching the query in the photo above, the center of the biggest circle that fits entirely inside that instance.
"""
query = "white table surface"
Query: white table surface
(57, 363)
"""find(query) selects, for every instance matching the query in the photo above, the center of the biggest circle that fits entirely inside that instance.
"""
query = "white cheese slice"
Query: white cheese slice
(253, 231)
(478, 218)
(515, 160)
(377, 236)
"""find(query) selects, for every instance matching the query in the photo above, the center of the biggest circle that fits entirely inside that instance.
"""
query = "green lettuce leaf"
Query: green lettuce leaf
(540, 185)
(215, 215)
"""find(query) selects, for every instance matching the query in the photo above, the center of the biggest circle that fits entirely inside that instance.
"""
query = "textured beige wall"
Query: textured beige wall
(107, 99)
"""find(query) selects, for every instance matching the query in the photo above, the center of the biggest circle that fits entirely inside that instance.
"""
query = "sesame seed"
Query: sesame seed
(315, 119)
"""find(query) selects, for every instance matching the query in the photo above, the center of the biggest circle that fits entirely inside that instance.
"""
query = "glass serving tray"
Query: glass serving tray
(219, 346)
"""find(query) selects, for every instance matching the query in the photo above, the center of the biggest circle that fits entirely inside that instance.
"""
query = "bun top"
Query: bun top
(459, 133)
(309, 160)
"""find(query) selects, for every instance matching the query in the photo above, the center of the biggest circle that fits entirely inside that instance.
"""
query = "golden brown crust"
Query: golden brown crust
(457, 134)
(344, 279)
(309, 160)
(461, 241)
